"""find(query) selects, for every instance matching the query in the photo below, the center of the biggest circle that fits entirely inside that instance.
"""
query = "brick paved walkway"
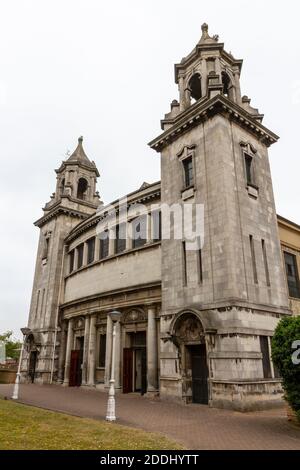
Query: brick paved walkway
(195, 426)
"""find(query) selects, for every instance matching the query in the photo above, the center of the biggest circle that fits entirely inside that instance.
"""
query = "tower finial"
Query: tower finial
(80, 139)
(204, 28)
(205, 36)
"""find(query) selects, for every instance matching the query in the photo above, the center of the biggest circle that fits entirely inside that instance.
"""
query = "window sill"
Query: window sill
(252, 191)
(188, 193)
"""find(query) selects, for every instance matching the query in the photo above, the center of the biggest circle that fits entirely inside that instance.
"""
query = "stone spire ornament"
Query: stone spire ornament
(206, 38)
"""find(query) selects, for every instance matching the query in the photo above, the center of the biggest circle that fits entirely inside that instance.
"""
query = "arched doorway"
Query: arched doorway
(190, 338)
(32, 357)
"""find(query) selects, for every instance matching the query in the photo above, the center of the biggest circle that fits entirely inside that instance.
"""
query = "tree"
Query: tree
(286, 358)
(13, 347)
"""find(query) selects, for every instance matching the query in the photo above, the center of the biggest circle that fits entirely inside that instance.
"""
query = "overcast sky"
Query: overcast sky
(104, 70)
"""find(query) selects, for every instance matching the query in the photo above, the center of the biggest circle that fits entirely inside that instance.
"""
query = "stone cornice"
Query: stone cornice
(125, 290)
(92, 167)
(57, 211)
(49, 206)
(206, 47)
(203, 110)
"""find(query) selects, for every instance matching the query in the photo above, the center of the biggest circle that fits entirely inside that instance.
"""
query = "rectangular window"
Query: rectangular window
(139, 231)
(253, 259)
(104, 244)
(249, 169)
(80, 255)
(120, 243)
(91, 250)
(200, 267)
(264, 250)
(188, 172)
(184, 263)
(156, 226)
(266, 359)
(71, 260)
(102, 350)
(292, 274)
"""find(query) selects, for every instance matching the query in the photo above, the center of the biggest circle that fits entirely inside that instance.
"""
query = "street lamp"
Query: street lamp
(111, 404)
(15, 395)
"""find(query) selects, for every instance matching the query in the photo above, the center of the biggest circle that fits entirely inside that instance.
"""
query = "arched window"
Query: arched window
(227, 85)
(195, 87)
(82, 188)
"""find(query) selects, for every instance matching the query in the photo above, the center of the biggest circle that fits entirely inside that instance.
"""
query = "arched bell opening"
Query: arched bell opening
(82, 188)
(228, 89)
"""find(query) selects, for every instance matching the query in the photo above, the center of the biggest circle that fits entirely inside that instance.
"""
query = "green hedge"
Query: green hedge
(286, 333)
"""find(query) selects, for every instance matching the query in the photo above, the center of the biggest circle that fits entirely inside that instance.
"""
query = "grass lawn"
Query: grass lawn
(29, 428)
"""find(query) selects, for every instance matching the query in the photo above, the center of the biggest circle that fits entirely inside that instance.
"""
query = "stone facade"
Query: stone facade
(195, 324)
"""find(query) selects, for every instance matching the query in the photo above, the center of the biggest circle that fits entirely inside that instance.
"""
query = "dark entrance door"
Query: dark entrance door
(32, 365)
(140, 383)
(76, 364)
(199, 374)
(74, 380)
(127, 370)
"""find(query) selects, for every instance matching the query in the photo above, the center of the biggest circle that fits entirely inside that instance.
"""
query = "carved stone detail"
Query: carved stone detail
(134, 316)
(189, 329)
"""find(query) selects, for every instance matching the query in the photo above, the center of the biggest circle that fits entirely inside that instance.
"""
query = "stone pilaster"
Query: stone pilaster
(118, 357)
(85, 351)
(62, 354)
(152, 362)
(108, 351)
(70, 340)
(92, 351)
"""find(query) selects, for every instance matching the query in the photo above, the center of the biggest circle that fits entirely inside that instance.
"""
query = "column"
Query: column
(85, 351)
(129, 236)
(118, 356)
(92, 351)
(149, 227)
(108, 351)
(62, 354)
(112, 242)
(97, 248)
(218, 68)
(204, 77)
(70, 340)
(237, 84)
(85, 254)
(181, 93)
(152, 352)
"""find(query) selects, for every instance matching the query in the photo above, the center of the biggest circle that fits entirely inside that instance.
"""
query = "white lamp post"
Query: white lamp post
(15, 395)
(111, 404)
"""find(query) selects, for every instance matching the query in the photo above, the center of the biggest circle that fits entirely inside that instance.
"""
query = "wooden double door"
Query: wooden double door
(134, 370)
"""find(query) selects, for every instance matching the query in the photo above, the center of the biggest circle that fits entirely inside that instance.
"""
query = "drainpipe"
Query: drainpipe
(57, 313)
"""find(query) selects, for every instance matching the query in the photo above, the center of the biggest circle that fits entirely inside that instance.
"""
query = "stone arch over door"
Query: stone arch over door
(189, 336)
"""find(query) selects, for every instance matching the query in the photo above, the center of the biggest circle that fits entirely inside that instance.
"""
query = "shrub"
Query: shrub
(286, 333)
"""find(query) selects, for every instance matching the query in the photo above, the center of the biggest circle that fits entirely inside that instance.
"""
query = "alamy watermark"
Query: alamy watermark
(296, 354)
(177, 222)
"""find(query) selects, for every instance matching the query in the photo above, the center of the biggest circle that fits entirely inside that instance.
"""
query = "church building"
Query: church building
(196, 324)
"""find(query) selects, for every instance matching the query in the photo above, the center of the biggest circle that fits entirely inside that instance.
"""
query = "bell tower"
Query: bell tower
(222, 299)
(74, 200)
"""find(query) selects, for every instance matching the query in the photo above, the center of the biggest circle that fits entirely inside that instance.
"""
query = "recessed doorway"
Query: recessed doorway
(135, 364)
(199, 368)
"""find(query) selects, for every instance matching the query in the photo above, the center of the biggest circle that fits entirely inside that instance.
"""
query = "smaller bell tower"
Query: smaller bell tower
(74, 200)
